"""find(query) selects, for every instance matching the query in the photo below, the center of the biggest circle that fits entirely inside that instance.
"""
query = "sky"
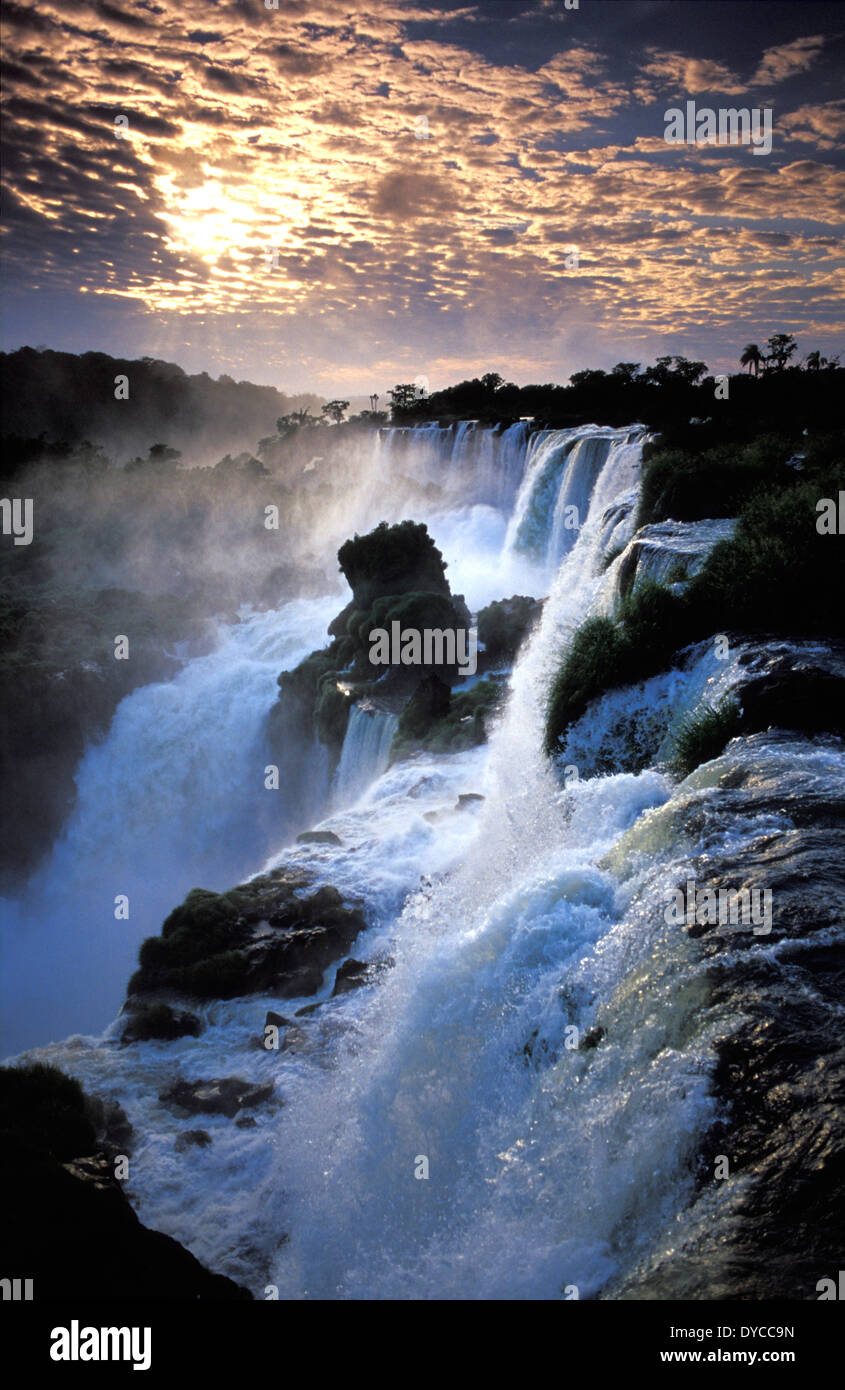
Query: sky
(336, 196)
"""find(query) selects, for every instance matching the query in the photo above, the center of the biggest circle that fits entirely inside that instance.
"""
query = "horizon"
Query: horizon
(333, 200)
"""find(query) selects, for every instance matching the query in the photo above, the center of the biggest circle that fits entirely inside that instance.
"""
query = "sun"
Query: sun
(209, 222)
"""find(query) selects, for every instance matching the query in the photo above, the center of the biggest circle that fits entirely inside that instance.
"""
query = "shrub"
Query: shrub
(392, 560)
(159, 1021)
(777, 574)
(684, 485)
(445, 725)
(592, 665)
(44, 1109)
(703, 735)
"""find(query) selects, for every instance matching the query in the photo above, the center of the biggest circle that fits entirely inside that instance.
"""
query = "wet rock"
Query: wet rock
(276, 1020)
(111, 1123)
(318, 837)
(159, 1021)
(95, 1169)
(809, 698)
(295, 1039)
(192, 1138)
(218, 1097)
(350, 975)
(422, 787)
(246, 1122)
(465, 802)
(768, 814)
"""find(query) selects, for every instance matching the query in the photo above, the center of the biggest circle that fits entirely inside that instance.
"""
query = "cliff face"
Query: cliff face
(766, 1221)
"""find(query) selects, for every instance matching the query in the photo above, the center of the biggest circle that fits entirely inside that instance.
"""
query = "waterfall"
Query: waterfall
(470, 461)
(440, 1137)
(173, 798)
(533, 1158)
(365, 752)
(560, 474)
(441, 1133)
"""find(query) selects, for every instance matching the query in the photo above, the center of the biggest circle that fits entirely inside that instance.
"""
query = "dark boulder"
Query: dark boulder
(217, 1097)
(159, 1021)
(192, 1139)
(350, 975)
(808, 698)
(276, 1020)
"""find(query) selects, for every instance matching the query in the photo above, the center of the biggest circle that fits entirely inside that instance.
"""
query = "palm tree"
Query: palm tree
(751, 357)
(815, 361)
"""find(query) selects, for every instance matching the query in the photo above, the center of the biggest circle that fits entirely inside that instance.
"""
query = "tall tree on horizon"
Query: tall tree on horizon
(751, 357)
(781, 346)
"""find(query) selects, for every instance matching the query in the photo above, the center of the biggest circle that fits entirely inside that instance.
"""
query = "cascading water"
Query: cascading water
(557, 486)
(441, 1134)
(365, 752)
(470, 462)
(174, 797)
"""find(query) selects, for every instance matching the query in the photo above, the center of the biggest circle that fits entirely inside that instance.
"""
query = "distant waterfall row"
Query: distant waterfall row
(541, 481)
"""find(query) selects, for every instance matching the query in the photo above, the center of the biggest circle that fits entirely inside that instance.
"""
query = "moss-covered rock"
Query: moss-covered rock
(504, 625)
(437, 725)
(397, 575)
(266, 935)
(392, 560)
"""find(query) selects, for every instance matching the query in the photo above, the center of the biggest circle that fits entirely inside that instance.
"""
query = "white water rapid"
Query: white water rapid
(441, 1133)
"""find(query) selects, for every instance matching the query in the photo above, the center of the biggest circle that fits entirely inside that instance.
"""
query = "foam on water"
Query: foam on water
(501, 925)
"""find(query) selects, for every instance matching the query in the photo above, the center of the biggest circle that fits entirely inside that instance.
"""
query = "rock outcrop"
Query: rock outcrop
(69, 1224)
(269, 935)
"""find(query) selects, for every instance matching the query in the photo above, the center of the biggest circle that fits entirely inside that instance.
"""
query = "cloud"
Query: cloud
(822, 125)
(680, 73)
(300, 129)
(787, 59)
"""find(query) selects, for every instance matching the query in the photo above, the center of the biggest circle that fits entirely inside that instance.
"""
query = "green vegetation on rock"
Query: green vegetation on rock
(460, 722)
(215, 946)
(705, 734)
(43, 1109)
(504, 625)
